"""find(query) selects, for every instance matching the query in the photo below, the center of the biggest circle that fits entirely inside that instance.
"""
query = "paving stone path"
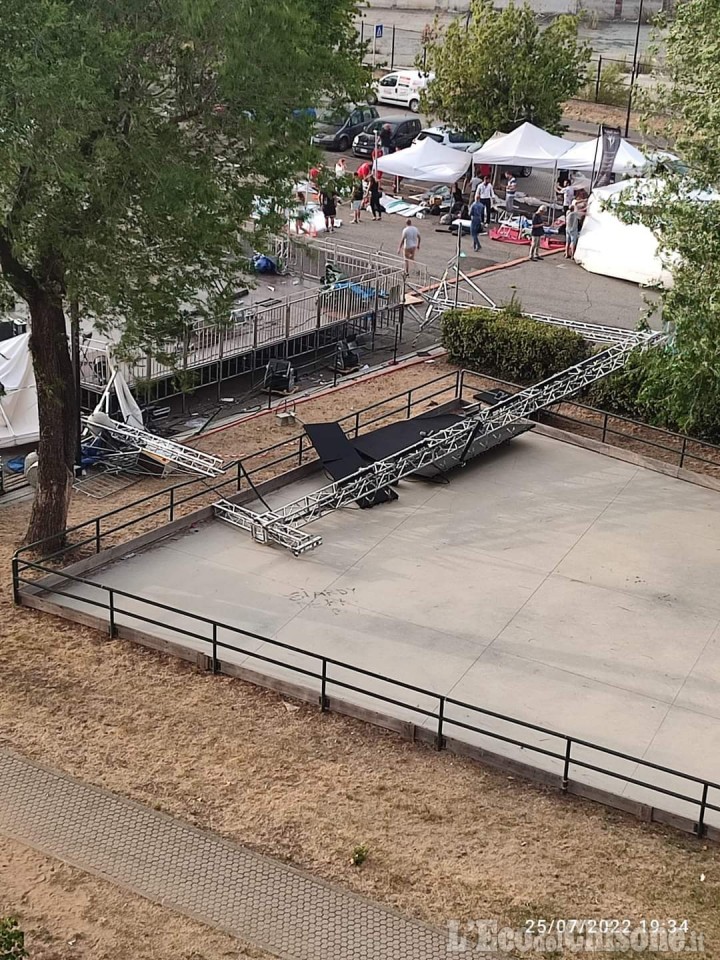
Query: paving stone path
(261, 901)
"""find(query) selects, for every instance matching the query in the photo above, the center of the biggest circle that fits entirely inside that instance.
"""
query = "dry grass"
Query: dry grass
(68, 915)
(447, 838)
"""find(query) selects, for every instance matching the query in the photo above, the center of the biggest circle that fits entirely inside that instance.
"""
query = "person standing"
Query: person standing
(510, 190)
(568, 195)
(385, 139)
(356, 198)
(374, 193)
(537, 232)
(301, 212)
(477, 211)
(572, 231)
(341, 167)
(409, 243)
(485, 194)
(328, 202)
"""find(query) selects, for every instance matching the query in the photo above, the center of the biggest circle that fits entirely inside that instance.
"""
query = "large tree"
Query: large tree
(680, 387)
(497, 68)
(135, 136)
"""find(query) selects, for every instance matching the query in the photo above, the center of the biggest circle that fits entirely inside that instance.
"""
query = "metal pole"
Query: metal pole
(392, 50)
(374, 45)
(457, 264)
(634, 69)
(75, 352)
(597, 78)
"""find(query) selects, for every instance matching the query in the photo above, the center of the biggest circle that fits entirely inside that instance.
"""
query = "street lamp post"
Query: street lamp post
(633, 73)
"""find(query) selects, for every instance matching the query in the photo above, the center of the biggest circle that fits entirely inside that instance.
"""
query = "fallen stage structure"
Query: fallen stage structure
(442, 449)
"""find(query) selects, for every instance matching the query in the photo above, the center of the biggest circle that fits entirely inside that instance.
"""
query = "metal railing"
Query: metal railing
(444, 713)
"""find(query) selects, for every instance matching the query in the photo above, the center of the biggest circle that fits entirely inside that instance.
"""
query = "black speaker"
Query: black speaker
(279, 376)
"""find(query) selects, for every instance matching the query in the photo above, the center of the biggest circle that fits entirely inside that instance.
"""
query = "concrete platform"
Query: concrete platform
(545, 582)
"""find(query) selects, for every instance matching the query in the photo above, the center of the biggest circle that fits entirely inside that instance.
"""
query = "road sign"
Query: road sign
(378, 31)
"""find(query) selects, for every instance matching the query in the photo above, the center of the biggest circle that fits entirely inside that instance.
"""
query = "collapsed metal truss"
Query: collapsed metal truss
(186, 458)
(281, 526)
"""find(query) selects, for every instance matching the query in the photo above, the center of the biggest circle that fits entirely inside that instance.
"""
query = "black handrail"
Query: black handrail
(439, 713)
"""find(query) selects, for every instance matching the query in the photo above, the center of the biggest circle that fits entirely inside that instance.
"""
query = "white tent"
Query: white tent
(587, 154)
(526, 146)
(615, 249)
(18, 404)
(426, 160)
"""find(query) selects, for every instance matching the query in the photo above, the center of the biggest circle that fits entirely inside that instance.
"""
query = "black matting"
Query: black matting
(388, 440)
(340, 458)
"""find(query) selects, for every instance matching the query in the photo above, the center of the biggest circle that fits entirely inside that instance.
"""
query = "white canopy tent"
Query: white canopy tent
(525, 146)
(615, 249)
(18, 404)
(586, 155)
(426, 160)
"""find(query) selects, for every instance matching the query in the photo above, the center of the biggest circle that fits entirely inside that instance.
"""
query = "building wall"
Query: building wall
(603, 9)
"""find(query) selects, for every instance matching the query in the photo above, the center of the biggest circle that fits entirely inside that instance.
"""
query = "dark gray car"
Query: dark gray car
(403, 131)
(336, 129)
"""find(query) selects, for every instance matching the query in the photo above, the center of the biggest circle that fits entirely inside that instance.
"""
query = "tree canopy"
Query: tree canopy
(135, 139)
(499, 69)
(681, 386)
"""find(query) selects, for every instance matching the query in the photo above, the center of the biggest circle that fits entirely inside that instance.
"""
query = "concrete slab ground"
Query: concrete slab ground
(544, 582)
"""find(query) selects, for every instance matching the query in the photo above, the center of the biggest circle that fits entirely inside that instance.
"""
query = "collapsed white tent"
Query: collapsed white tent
(18, 403)
(525, 146)
(615, 249)
(586, 155)
(426, 160)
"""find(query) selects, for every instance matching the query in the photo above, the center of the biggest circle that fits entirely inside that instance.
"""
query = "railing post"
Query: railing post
(239, 474)
(682, 451)
(215, 661)
(409, 404)
(566, 765)
(700, 825)
(15, 580)
(172, 504)
(604, 430)
(357, 424)
(460, 384)
(97, 534)
(439, 739)
(323, 687)
(111, 612)
(301, 449)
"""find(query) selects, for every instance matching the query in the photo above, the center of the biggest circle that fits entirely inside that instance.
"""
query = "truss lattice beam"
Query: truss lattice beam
(281, 526)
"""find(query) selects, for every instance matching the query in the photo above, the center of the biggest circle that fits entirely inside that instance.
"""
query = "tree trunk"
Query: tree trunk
(57, 413)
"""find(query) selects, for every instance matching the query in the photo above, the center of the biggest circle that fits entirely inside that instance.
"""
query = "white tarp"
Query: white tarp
(587, 154)
(615, 249)
(426, 160)
(525, 146)
(18, 405)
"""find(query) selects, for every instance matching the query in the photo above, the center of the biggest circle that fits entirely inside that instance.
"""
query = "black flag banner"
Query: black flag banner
(609, 146)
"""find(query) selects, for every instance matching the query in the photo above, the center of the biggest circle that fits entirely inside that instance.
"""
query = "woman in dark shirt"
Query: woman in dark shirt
(374, 194)
(537, 232)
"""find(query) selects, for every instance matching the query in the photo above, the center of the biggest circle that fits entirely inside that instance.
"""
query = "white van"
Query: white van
(402, 87)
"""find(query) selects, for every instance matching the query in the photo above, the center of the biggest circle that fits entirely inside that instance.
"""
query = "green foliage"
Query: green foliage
(685, 382)
(611, 89)
(503, 69)
(134, 138)
(12, 940)
(359, 855)
(512, 348)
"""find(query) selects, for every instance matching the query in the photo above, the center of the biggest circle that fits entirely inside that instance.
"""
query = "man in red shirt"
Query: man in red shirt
(364, 170)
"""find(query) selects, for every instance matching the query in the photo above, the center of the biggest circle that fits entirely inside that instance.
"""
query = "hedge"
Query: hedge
(510, 347)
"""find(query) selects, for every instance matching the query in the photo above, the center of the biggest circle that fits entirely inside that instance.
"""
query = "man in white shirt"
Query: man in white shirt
(568, 196)
(409, 243)
(510, 191)
(485, 195)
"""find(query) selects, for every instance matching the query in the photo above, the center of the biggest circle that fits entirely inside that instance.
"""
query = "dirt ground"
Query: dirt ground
(68, 915)
(447, 838)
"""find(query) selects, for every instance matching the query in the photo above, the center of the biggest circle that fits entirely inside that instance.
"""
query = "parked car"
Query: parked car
(403, 133)
(336, 129)
(516, 171)
(447, 137)
(402, 87)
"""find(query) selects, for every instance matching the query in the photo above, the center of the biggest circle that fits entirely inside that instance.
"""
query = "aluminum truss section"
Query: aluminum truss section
(176, 453)
(281, 526)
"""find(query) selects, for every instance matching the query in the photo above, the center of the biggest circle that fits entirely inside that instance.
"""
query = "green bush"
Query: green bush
(509, 347)
(611, 89)
(12, 940)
